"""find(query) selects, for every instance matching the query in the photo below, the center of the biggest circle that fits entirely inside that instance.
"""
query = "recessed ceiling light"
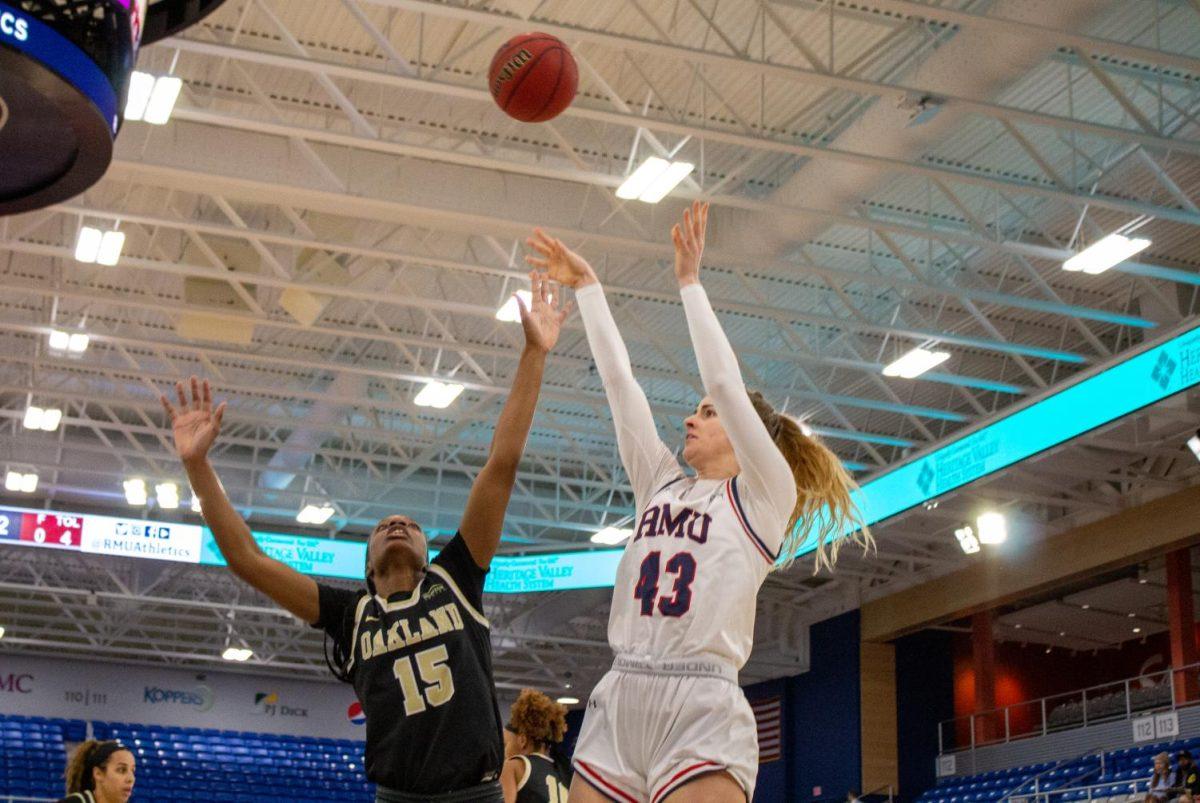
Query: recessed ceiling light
(1137, 630)
(1018, 627)
(1085, 606)
(1062, 632)
(1133, 616)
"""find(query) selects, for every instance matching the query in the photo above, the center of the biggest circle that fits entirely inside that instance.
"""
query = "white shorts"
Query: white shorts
(648, 732)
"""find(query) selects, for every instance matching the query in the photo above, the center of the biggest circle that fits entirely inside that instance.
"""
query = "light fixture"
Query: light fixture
(1132, 615)
(102, 247)
(76, 343)
(1106, 252)
(1137, 630)
(110, 248)
(438, 395)
(1142, 581)
(196, 504)
(993, 529)
(967, 540)
(1085, 606)
(19, 482)
(1, 631)
(46, 419)
(135, 492)
(1017, 626)
(805, 429)
(315, 514)
(611, 535)
(1048, 650)
(653, 179)
(509, 312)
(238, 654)
(1062, 633)
(152, 99)
(87, 245)
(567, 701)
(167, 495)
(915, 362)
(1194, 444)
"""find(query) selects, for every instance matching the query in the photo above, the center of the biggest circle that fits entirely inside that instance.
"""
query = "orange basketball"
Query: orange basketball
(533, 77)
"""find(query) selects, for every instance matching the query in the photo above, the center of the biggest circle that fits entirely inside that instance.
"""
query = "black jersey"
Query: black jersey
(421, 665)
(79, 797)
(540, 781)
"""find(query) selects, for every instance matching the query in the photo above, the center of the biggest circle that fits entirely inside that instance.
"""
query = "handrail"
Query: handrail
(1040, 709)
(1132, 783)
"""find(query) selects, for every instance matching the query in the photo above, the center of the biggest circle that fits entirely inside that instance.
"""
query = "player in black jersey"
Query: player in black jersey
(535, 771)
(415, 643)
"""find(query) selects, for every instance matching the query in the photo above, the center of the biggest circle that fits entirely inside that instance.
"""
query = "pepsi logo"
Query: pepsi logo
(355, 714)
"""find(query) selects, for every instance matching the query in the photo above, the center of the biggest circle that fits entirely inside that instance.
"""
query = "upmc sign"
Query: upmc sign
(14, 683)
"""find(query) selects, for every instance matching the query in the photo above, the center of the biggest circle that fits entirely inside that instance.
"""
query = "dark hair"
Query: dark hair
(338, 658)
(87, 757)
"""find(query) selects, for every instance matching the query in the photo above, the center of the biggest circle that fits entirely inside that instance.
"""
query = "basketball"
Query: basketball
(533, 77)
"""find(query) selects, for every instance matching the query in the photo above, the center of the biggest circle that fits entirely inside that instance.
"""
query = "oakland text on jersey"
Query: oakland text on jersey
(660, 520)
(406, 632)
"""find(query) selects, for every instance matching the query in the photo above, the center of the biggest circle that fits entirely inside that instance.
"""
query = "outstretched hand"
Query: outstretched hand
(561, 263)
(544, 319)
(196, 424)
(688, 237)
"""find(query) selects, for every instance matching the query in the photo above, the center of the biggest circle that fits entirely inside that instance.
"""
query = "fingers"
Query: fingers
(538, 262)
(183, 402)
(521, 307)
(195, 392)
(167, 406)
(543, 288)
(206, 396)
(541, 246)
(566, 311)
(219, 414)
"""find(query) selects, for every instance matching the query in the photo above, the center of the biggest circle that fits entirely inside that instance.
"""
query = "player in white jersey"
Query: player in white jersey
(669, 722)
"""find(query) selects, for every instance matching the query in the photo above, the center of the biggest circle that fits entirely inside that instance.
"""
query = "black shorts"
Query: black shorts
(484, 793)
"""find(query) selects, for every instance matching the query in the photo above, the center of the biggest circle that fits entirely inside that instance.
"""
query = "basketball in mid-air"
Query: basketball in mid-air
(533, 77)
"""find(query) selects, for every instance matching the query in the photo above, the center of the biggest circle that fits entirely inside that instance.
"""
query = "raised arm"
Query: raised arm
(765, 473)
(483, 518)
(647, 460)
(196, 425)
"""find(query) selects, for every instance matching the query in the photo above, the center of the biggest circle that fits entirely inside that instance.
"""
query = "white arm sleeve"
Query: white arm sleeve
(648, 461)
(766, 484)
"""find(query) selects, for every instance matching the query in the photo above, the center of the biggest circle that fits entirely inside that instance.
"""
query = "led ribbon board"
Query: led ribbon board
(1094, 401)
(324, 557)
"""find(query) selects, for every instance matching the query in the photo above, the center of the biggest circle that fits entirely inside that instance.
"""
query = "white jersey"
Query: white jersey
(701, 548)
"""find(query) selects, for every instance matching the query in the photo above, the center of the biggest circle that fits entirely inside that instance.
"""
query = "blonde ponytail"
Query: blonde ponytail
(824, 507)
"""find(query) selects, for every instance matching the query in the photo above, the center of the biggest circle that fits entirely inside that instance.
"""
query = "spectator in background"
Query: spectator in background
(535, 770)
(1188, 777)
(100, 772)
(1162, 782)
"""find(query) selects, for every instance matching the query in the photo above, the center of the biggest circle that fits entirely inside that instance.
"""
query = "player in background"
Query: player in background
(415, 643)
(100, 772)
(669, 722)
(534, 769)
